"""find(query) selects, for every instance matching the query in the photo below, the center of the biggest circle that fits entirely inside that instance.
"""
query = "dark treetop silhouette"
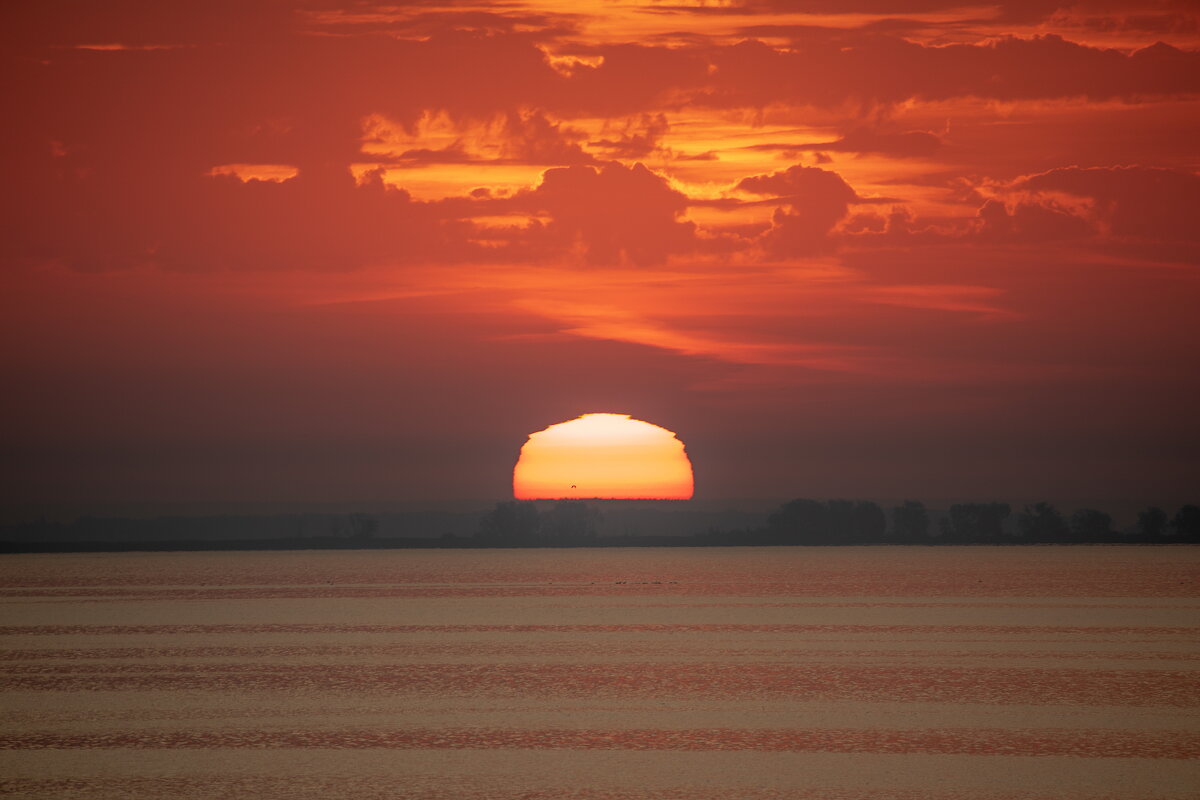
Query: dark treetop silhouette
(575, 523)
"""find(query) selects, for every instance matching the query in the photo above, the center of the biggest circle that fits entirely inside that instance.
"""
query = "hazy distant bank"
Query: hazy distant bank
(574, 523)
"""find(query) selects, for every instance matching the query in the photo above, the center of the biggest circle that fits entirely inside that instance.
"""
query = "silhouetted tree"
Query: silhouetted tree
(945, 530)
(978, 522)
(799, 522)
(855, 522)
(361, 526)
(1152, 523)
(835, 522)
(910, 522)
(841, 521)
(1041, 522)
(869, 521)
(570, 522)
(1187, 523)
(515, 522)
(1090, 525)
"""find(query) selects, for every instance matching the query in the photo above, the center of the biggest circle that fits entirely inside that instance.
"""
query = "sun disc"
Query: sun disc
(603, 456)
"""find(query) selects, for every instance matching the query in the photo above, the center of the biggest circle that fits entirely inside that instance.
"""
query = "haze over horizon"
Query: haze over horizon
(349, 252)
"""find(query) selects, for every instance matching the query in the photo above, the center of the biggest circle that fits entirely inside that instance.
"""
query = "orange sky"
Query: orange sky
(357, 252)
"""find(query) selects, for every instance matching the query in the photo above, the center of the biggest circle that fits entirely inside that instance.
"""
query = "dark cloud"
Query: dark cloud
(413, 22)
(533, 139)
(636, 141)
(634, 78)
(797, 182)
(1030, 222)
(1145, 15)
(908, 144)
(1010, 10)
(319, 220)
(109, 164)
(1130, 201)
(617, 214)
(1158, 17)
(1153, 210)
(68, 23)
(887, 70)
(812, 201)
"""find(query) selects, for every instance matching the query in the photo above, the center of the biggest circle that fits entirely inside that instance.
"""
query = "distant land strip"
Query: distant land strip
(622, 589)
(575, 523)
(1032, 742)
(999, 685)
(526, 649)
(459, 543)
(290, 628)
(300, 787)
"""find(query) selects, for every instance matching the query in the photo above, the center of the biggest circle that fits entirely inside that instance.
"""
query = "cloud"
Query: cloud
(978, 300)
(137, 132)
(533, 139)
(418, 22)
(633, 78)
(1149, 208)
(636, 141)
(1142, 15)
(882, 70)
(615, 214)
(1133, 201)
(1159, 17)
(316, 220)
(812, 201)
(903, 145)
(1030, 222)
(143, 22)
(518, 136)
(797, 182)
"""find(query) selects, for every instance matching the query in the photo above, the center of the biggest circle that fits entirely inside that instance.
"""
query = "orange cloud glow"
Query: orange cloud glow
(276, 173)
(603, 455)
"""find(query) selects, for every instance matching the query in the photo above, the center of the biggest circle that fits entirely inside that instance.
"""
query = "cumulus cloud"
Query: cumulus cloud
(812, 201)
(1030, 222)
(615, 214)
(799, 182)
(1133, 201)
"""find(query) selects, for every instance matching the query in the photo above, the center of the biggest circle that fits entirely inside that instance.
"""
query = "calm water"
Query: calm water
(833, 673)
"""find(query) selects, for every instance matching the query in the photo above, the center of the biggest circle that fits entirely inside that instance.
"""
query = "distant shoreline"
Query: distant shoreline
(284, 545)
(570, 524)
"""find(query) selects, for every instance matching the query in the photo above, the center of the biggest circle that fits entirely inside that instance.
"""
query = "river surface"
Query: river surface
(604, 674)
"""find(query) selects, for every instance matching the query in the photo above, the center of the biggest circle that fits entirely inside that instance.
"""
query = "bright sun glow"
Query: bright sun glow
(603, 455)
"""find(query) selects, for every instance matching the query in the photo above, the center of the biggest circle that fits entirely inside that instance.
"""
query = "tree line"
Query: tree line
(848, 522)
(845, 522)
(574, 523)
(570, 523)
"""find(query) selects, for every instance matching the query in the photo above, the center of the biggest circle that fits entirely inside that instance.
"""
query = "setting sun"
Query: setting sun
(603, 456)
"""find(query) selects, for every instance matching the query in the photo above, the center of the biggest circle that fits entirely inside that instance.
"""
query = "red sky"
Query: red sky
(308, 251)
